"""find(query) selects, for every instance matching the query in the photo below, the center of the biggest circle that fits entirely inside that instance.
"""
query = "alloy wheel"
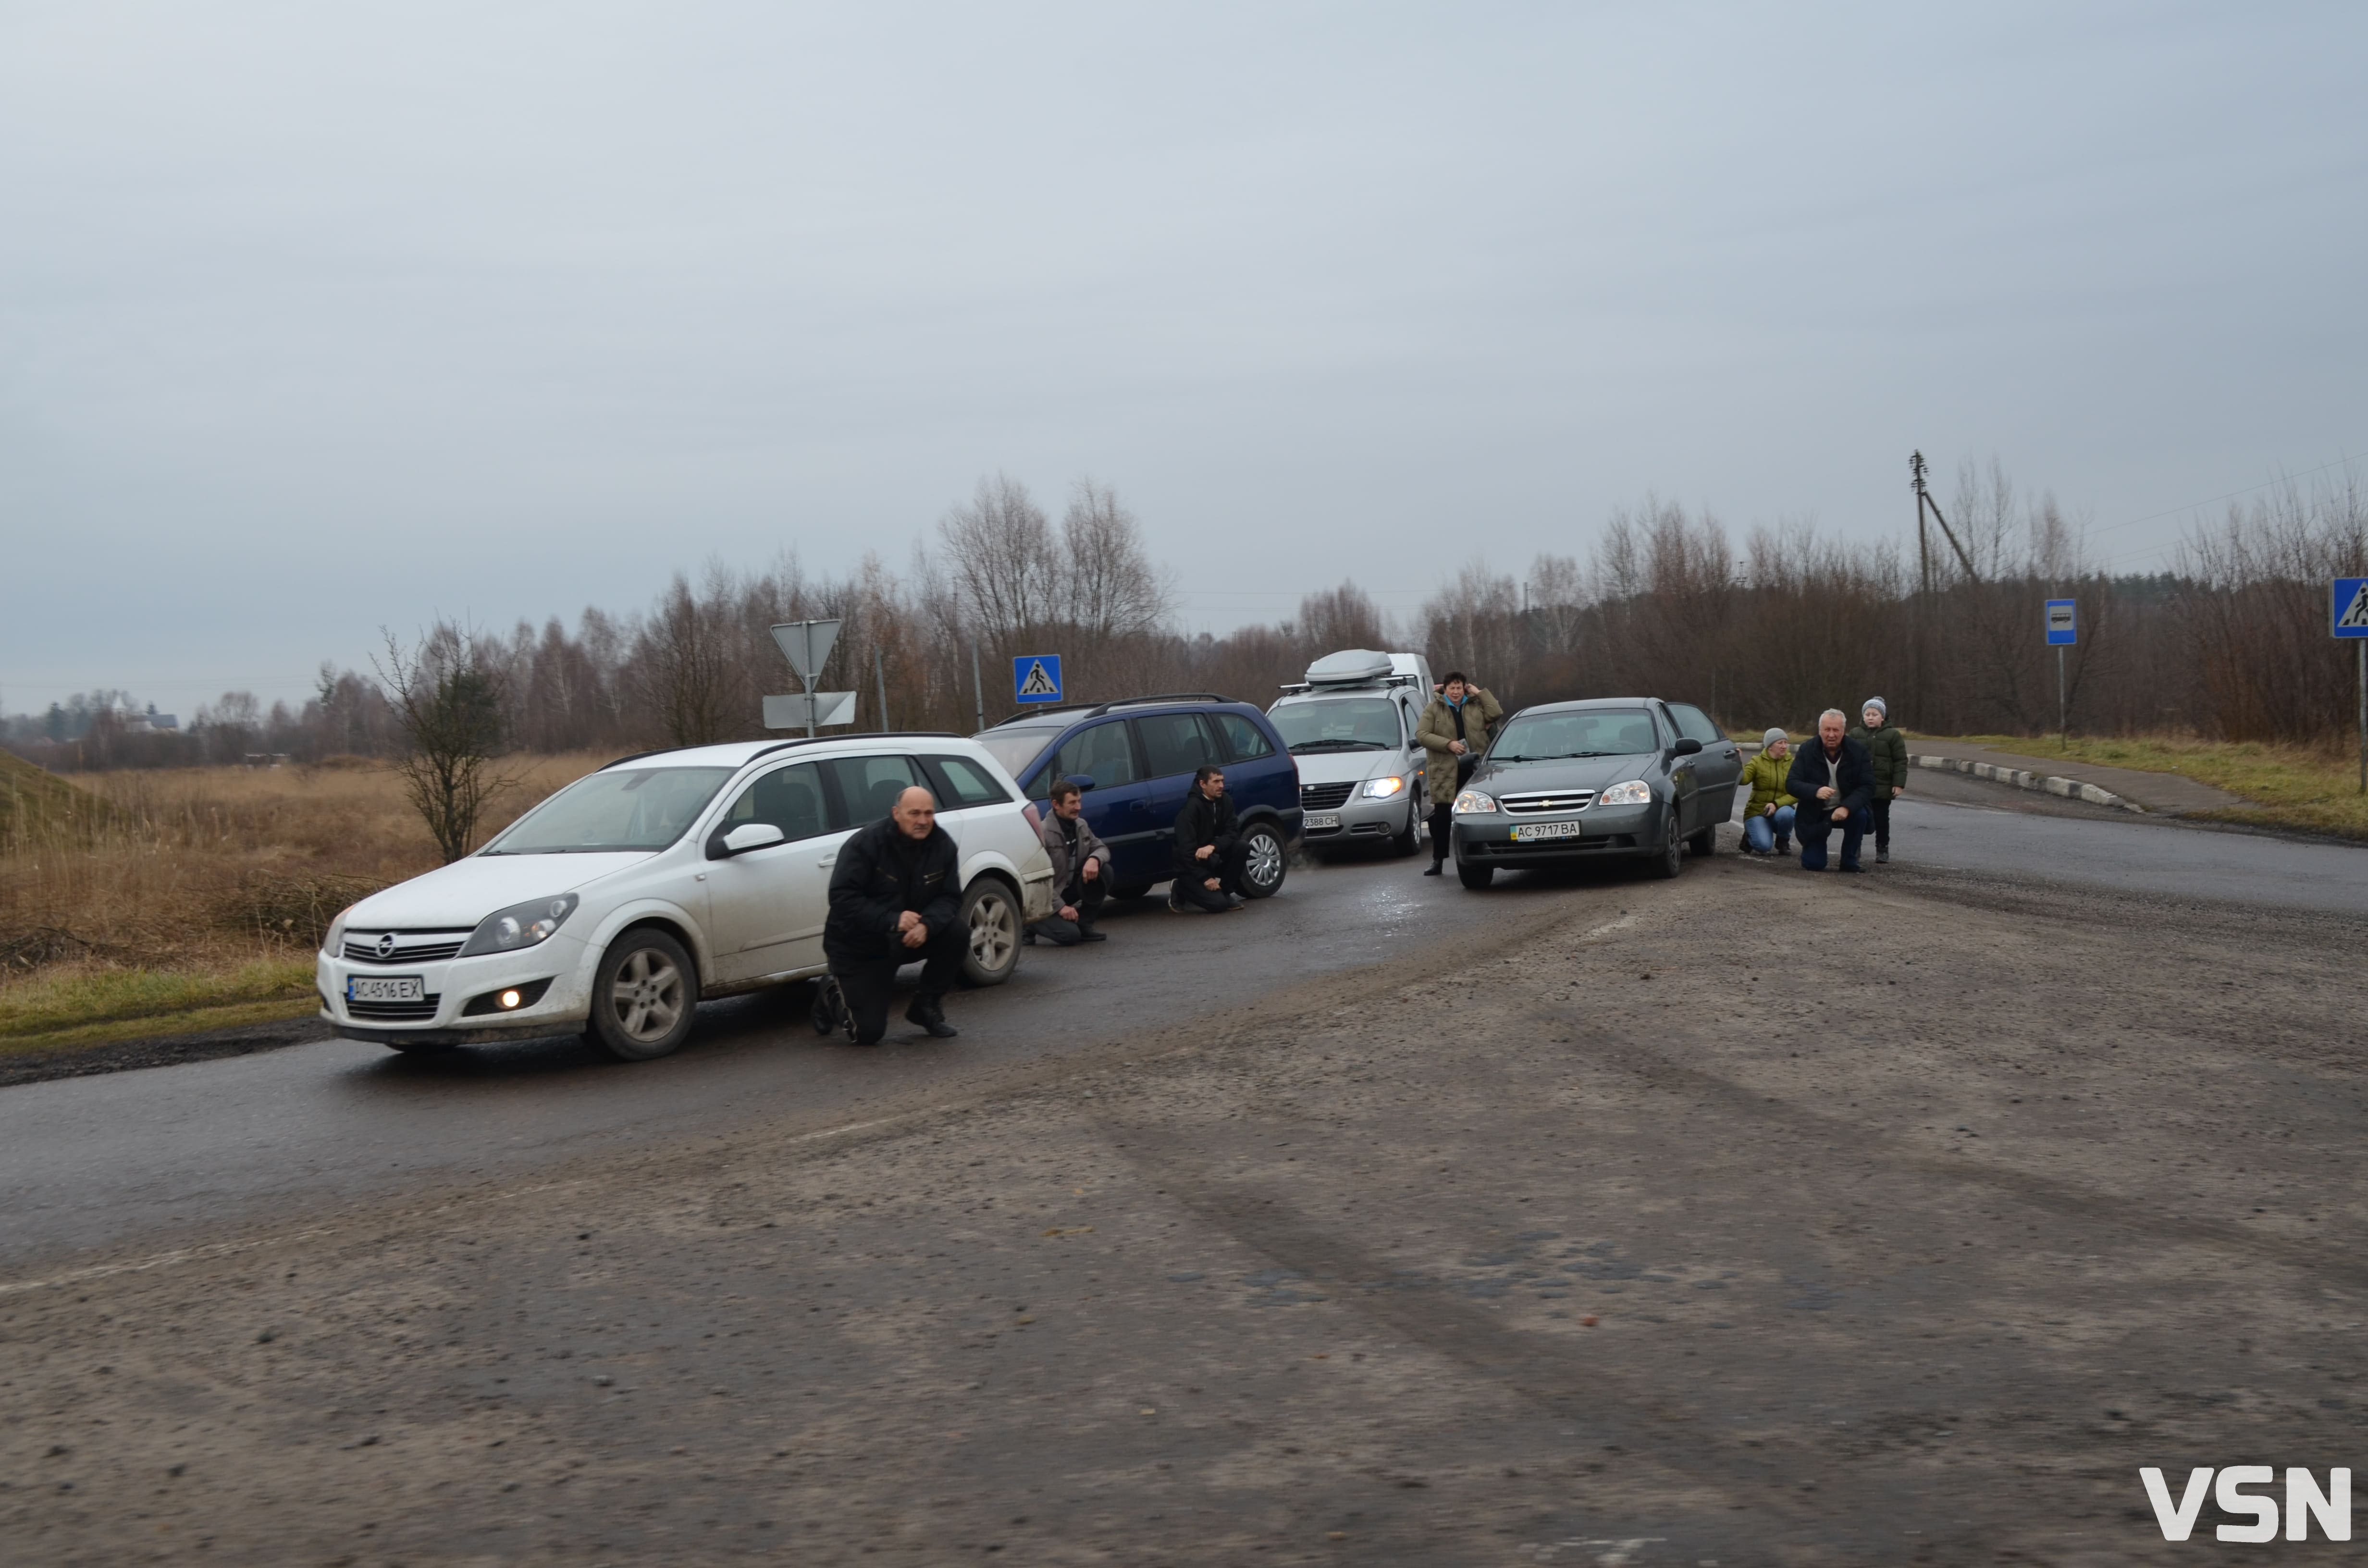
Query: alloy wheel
(647, 995)
(994, 932)
(1264, 866)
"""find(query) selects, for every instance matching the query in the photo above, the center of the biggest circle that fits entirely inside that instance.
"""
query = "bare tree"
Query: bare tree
(1110, 589)
(447, 698)
(1000, 551)
(1345, 617)
(691, 668)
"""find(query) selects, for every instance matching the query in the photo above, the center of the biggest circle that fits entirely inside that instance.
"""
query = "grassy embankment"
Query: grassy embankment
(138, 905)
(2308, 788)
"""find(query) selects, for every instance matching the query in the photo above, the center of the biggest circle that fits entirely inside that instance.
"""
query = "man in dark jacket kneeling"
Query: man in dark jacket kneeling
(894, 898)
(1833, 779)
(1209, 851)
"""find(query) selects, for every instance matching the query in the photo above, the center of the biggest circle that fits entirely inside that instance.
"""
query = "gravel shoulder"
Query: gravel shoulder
(1757, 1217)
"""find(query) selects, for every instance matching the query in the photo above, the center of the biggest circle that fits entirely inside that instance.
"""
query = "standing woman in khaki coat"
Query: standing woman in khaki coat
(1455, 729)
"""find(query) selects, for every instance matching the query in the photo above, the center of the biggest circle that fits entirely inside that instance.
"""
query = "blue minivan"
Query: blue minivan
(1134, 761)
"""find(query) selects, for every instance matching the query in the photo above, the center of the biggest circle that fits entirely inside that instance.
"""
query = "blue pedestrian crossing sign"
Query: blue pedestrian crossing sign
(1036, 678)
(2347, 607)
(2063, 622)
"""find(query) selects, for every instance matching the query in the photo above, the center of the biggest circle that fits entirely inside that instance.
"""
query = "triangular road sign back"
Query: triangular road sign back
(2356, 616)
(806, 645)
(1038, 683)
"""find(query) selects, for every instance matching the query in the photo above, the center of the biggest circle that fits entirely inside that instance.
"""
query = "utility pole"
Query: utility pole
(880, 677)
(977, 687)
(1923, 589)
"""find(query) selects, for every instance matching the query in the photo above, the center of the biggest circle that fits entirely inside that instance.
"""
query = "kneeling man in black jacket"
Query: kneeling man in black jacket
(1209, 851)
(1833, 780)
(893, 898)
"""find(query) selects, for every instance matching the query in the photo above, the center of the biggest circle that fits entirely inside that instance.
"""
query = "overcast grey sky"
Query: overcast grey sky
(317, 317)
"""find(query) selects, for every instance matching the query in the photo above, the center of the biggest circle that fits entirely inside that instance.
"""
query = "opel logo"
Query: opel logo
(386, 946)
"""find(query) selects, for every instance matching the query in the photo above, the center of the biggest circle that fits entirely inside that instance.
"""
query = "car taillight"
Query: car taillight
(1035, 823)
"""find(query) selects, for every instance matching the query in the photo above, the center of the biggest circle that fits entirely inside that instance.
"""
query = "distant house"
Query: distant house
(150, 723)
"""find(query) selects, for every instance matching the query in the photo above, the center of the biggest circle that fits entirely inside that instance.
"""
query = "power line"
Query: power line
(2214, 501)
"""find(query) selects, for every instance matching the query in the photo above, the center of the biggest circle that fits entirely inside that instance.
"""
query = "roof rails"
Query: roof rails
(801, 741)
(1296, 688)
(1095, 710)
(1167, 696)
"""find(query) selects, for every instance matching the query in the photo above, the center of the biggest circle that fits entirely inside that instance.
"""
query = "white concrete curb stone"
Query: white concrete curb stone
(2022, 779)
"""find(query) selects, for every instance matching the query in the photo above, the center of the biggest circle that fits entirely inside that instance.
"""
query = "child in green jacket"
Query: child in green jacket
(1888, 747)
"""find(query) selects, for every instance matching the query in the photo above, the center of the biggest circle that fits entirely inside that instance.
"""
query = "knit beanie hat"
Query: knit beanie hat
(1878, 704)
(1771, 737)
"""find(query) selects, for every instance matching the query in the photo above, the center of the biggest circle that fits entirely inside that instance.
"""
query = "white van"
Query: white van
(1349, 725)
(628, 897)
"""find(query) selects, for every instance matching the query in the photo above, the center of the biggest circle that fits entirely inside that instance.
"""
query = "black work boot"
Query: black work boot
(1436, 867)
(929, 1014)
(831, 1014)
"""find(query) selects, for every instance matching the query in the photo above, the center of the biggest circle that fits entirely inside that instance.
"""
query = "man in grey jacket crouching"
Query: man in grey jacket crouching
(1081, 863)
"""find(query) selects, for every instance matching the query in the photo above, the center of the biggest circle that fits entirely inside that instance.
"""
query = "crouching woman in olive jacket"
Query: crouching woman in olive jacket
(1767, 817)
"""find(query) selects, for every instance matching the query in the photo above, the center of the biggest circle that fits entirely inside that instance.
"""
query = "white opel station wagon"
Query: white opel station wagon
(623, 900)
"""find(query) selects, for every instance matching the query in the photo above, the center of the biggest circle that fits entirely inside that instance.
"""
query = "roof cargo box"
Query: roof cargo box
(1353, 667)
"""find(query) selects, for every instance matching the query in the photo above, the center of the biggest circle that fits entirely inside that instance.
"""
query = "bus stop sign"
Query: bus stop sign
(2063, 624)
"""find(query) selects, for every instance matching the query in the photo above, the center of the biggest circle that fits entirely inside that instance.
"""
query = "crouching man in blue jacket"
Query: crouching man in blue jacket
(1833, 779)
(895, 896)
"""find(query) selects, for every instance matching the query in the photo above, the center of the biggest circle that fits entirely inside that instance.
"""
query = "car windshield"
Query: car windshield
(1017, 748)
(1589, 731)
(617, 809)
(1340, 723)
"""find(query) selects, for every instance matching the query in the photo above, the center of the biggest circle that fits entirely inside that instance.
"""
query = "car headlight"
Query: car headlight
(1472, 803)
(1635, 793)
(1382, 789)
(335, 942)
(519, 926)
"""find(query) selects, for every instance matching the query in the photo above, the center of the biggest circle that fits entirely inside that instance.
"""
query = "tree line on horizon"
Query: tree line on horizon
(2231, 642)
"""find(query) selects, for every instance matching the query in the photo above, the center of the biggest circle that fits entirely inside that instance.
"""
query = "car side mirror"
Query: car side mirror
(1686, 748)
(1084, 781)
(747, 836)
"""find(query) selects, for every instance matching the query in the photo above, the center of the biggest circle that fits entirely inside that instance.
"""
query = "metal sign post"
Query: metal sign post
(977, 687)
(2347, 616)
(806, 643)
(1036, 678)
(2063, 632)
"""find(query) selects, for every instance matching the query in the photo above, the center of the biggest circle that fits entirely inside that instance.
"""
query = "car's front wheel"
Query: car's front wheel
(1473, 876)
(990, 923)
(1263, 867)
(644, 996)
(1671, 859)
(1407, 842)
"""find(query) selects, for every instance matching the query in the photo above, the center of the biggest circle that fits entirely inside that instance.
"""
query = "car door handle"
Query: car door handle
(828, 860)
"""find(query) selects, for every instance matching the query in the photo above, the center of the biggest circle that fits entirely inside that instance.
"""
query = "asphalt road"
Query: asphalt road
(100, 1161)
(92, 1161)
(1756, 1217)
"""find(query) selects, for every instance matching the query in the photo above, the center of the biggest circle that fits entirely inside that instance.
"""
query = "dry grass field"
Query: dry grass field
(138, 900)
